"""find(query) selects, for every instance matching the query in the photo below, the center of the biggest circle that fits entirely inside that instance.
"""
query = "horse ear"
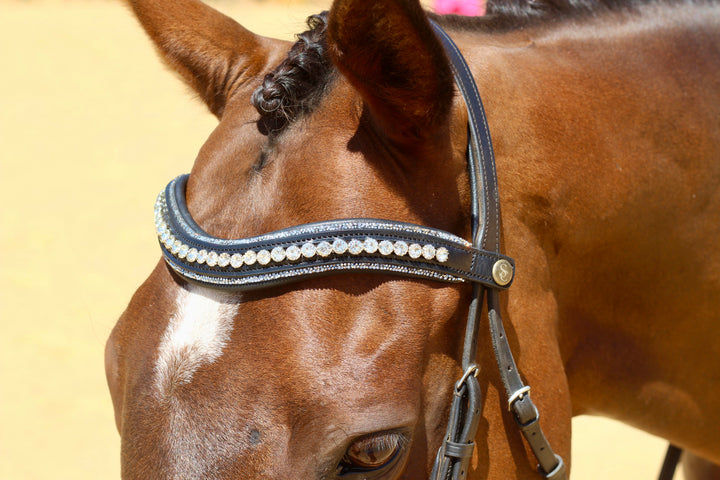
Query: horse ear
(390, 54)
(208, 49)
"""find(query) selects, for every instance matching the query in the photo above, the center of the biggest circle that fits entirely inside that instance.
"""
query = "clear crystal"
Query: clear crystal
(250, 257)
(277, 254)
(429, 252)
(236, 260)
(176, 247)
(223, 260)
(164, 236)
(371, 245)
(442, 254)
(355, 247)
(192, 255)
(212, 259)
(415, 250)
(308, 250)
(400, 248)
(202, 256)
(385, 247)
(184, 249)
(339, 246)
(292, 252)
(324, 248)
(263, 257)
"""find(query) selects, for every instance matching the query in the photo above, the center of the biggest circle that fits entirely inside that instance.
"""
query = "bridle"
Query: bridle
(386, 246)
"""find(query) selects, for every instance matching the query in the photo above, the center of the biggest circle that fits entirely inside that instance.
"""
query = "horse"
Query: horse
(605, 123)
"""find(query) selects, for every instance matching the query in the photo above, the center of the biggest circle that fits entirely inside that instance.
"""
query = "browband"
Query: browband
(313, 249)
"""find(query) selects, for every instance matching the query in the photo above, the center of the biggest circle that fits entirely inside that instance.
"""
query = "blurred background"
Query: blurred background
(92, 126)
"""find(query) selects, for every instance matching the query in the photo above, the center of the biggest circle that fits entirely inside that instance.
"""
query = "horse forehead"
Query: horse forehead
(298, 342)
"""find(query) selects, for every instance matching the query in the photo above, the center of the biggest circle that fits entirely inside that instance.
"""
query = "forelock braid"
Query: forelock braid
(296, 85)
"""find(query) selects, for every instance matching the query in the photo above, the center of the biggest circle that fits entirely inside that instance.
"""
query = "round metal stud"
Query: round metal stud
(277, 254)
(236, 260)
(324, 249)
(502, 272)
(223, 260)
(293, 252)
(263, 257)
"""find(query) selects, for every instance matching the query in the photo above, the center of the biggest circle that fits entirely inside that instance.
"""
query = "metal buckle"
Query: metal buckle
(518, 395)
(471, 370)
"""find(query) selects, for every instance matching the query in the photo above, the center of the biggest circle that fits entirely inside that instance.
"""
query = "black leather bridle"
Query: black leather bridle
(386, 246)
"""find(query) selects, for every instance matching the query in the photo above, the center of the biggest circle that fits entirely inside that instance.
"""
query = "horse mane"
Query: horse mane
(504, 15)
(525, 9)
(296, 85)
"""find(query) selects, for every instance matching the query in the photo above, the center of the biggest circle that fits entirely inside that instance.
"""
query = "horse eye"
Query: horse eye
(372, 452)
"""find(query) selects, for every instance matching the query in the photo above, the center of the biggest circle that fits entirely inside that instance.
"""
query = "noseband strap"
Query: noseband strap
(385, 246)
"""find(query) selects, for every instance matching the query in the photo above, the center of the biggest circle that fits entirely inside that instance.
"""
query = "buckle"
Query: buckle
(471, 370)
(525, 413)
(518, 395)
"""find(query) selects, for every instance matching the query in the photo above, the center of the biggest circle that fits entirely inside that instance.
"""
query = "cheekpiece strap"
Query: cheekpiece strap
(486, 236)
(314, 249)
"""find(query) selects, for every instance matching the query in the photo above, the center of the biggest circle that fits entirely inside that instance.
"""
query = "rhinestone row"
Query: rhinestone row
(293, 252)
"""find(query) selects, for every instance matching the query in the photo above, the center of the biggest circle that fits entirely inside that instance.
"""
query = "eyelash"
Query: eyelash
(395, 441)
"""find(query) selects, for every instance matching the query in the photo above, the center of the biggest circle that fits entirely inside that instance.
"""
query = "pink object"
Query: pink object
(460, 7)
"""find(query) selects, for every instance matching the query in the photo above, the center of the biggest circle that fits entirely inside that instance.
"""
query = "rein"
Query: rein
(386, 246)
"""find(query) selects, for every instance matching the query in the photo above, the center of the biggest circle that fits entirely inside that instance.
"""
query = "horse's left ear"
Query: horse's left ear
(390, 54)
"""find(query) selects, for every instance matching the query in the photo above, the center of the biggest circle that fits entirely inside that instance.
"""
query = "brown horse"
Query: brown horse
(606, 125)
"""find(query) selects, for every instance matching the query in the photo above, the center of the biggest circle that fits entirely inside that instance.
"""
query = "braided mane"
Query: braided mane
(504, 15)
(298, 83)
(296, 86)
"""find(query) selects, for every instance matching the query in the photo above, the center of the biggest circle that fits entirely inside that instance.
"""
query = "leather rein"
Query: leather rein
(386, 246)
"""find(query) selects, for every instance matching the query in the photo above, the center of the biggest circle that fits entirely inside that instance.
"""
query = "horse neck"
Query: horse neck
(606, 140)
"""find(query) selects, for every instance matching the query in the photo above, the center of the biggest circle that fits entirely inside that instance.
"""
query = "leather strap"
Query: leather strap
(672, 458)
(481, 158)
(326, 247)
(454, 455)
(519, 402)
(487, 236)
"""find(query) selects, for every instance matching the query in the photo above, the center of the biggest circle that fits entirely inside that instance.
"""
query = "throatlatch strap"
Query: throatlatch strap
(519, 402)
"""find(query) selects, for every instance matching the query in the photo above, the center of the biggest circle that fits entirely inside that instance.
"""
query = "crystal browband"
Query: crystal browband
(315, 249)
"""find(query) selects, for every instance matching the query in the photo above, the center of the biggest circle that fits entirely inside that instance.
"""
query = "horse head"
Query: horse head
(607, 147)
(344, 375)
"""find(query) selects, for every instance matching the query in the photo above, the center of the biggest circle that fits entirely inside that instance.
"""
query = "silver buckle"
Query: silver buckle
(471, 370)
(518, 395)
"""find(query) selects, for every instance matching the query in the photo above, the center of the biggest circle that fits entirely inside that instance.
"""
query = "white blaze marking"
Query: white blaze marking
(195, 335)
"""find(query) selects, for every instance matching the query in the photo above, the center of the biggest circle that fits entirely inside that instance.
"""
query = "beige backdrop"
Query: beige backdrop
(91, 127)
